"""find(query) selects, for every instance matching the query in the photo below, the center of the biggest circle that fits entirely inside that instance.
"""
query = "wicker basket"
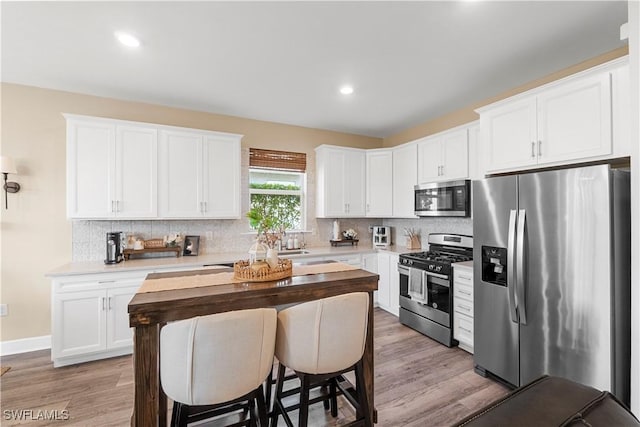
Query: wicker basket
(242, 270)
(154, 243)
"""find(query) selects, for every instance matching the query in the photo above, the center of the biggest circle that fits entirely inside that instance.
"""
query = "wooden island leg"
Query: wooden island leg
(150, 402)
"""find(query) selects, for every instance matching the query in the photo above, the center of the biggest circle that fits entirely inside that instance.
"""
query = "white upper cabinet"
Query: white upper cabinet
(405, 177)
(221, 190)
(111, 169)
(136, 172)
(180, 164)
(379, 183)
(574, 120)
(128, 170)
(199, 174)
(577, 118)
(340, 182)
(443, 157)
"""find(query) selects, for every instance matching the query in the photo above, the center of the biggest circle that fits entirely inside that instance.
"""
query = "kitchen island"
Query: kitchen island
(149, 311)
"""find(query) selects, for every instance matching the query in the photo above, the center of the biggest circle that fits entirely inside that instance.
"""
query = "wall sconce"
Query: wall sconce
(6, 167)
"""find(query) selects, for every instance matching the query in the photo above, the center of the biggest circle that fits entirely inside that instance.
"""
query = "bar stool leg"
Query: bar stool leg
(262, 408)
(334, 397)
(303, 415)
(276, 401)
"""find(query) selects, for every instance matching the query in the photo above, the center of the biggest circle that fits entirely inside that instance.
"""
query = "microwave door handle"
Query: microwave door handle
(511, 270)
(520, 267)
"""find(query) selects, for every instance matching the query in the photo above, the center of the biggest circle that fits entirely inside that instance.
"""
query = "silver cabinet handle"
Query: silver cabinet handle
(465, 277)
(533, 149)
(539, 148)
(464, 307)
(464, 329)
(117, 205)
(113, 204)
(442, 170)
(368, 207)
(104, 303)
(464, 292)
(109, 303)
(204, 207)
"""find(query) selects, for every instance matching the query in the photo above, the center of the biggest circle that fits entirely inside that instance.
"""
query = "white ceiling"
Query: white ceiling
(409, 62)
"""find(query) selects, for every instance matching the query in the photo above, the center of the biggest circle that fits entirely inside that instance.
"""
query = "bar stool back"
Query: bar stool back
(209, 363)
(320, 340)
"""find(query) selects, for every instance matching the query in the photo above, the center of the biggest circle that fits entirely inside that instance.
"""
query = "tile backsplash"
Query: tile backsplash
(88, 242)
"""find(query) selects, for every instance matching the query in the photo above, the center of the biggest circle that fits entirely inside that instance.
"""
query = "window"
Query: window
(277, 185)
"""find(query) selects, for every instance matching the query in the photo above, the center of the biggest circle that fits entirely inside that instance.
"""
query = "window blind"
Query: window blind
(280, 160)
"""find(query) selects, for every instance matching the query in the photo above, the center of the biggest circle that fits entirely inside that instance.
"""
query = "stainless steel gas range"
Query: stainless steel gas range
(426, 285)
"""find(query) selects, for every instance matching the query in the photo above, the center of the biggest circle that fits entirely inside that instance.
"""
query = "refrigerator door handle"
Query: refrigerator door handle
(520, 282)
(511, 263)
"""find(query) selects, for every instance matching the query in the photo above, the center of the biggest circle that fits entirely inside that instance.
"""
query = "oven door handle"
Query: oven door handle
(439, 276)
(403, 270)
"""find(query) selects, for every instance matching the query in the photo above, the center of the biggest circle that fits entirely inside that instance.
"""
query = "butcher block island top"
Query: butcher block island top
(150, 310)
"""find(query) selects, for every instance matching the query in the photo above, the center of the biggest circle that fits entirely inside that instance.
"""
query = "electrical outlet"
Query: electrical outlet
(4, 310)
(209, 235)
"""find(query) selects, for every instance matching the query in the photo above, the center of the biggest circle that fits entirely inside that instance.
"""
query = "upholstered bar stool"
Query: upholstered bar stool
(209, 364)
(321, 340)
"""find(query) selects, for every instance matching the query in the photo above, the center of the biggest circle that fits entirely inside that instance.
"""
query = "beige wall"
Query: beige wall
(467, 114)
(35, 234)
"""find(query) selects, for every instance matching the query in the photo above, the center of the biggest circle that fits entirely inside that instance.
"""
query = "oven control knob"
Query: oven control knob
(439, 268)
(410, 262)
(431, 267)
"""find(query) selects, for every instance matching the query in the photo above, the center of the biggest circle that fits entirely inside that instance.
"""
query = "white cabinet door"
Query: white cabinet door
(221, 170)
(405, 177)
(354, 183)
(332, 173)
(79, 323)
(509, 135)
(379, 183)
(340, 182)
(574, 120)
(443, 157)
(394, 285)
(384, 285)
(370, 262)
(429, 159)
(455, 155)
(119, 334)
(136, 172)
(180, 174)
(90, 169)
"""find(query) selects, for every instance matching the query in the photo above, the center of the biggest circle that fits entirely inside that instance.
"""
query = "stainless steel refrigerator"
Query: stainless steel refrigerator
(552, 280)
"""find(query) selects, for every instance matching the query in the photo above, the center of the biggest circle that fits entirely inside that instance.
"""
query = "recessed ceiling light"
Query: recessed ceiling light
(127, 39)
(346, 90)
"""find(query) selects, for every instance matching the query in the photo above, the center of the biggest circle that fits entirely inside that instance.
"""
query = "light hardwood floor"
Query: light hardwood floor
(419, 382)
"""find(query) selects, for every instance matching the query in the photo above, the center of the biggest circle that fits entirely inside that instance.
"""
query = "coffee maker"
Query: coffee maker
(381, 236)
(115, 241)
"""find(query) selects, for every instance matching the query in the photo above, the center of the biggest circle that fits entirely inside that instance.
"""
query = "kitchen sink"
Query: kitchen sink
(293, 252)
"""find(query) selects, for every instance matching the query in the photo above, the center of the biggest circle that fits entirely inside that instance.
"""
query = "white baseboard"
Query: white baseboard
(25, 345)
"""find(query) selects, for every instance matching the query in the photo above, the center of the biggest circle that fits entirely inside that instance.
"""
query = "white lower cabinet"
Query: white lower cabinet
(463, 305)
(389, 284)
(89, 317)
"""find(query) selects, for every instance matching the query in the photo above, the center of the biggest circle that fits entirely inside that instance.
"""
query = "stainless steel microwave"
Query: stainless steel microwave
(451, 198)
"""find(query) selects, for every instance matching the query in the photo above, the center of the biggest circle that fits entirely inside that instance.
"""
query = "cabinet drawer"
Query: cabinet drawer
(463, 329)
(463, 307)
(463, 291)
(463, 275)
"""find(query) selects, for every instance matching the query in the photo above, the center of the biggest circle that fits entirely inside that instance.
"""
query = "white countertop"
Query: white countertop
(99, 267)
(468, 264)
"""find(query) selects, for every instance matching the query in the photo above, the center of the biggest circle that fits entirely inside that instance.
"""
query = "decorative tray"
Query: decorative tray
(344, 242)
(261, 272)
